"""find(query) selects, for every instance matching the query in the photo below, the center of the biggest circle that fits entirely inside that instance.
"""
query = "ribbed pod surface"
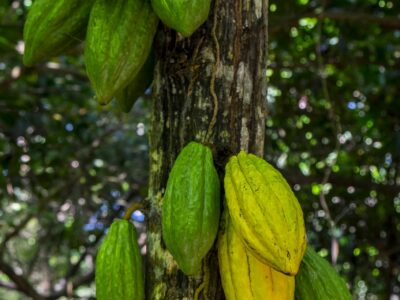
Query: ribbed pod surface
(119, 38)
(246, 278)
(265, 212)
(119, 272)
(318, 280)
(185, 16)
(53, 27)
(191, 207)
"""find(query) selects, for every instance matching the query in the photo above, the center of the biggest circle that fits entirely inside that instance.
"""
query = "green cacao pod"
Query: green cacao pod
(119, 272)
(318, 280)
(265, 212)
(53, 27)
(119, 39)
(243, 276)
(191, 207)
(136, 88)
(185, 16)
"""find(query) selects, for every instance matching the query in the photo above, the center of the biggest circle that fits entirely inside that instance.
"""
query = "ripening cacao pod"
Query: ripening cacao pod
(182, 15)
(265, 212)
(119, 39)
(119, 273)
(136, 88)
(191, 206)
(318, 280)
(53, 27)
(243, 276)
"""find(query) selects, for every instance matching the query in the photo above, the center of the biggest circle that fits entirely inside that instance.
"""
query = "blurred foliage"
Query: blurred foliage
(334, 130)
(68, 166)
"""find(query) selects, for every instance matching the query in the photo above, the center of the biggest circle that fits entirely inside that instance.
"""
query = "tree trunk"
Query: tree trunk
(209, 88)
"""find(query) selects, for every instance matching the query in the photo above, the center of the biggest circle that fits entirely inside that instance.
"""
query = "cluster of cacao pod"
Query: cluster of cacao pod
(119, 36)
(262, 247)
(262, 243)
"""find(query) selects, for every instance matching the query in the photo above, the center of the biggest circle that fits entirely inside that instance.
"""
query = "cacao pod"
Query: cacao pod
(136, 88)
(119, 39)
(182, 15)
(318, 280)
(243, 276)
(190, 212)
(119, 272)
(53, 27)
(265, 212)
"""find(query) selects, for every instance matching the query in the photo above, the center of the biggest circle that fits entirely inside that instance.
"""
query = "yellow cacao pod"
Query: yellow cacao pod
(246, 278)
(265, 212)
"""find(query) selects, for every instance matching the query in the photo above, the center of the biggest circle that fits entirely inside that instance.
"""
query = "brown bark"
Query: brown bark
(220, 69)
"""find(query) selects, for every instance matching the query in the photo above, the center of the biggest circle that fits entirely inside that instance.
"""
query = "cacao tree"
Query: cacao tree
(209, 87)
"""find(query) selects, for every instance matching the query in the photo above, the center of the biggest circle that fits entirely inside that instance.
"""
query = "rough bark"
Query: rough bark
(219, 70)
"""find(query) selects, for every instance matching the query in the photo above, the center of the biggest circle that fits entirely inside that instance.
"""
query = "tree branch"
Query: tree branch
(280, 23)
(70, 286)
(15, 232)
(7, 285)
(295, 177)
(20, 282)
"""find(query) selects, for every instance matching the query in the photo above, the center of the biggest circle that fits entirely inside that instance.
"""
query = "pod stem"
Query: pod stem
(131, 209)
(203, 287)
